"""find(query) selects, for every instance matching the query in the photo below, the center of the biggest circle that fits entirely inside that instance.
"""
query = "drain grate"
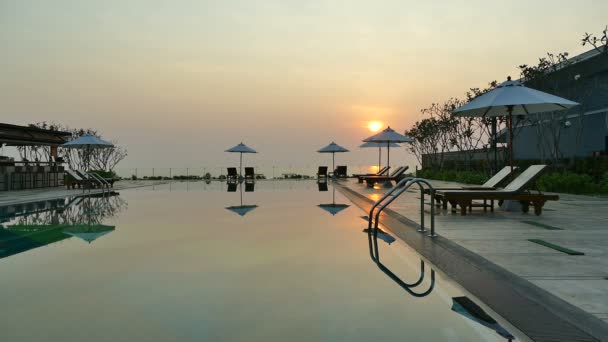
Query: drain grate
(542, 225)
(556, 247)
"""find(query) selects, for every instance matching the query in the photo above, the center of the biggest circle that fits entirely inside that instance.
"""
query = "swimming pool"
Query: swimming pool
(278, 260)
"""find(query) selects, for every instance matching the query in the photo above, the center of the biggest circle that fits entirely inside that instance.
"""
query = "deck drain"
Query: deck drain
(542, 225)
(556, 247)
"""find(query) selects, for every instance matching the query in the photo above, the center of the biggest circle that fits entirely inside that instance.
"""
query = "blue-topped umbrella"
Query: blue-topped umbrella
(87, 142)
(387, 137)
(379, 146)
(333, 148)
(241, 148)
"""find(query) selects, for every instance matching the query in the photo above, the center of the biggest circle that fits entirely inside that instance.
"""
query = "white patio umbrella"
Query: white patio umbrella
(241, 148)
(379, 146)
(87, 142)
(333, 148)
(386, 137)
(513, 98)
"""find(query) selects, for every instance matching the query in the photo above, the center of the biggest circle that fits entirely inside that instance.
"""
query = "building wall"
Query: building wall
(582, 138)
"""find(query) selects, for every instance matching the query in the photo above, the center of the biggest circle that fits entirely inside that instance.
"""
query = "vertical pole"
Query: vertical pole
(379, 158)
(510, 108)
(422, 230)
(388, 154)
(494, 146)
(241, 166)
(432, 234)
(333, 161)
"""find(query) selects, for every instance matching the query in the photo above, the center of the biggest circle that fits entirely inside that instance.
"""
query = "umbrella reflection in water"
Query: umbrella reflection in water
(242, 209)
(333, 208)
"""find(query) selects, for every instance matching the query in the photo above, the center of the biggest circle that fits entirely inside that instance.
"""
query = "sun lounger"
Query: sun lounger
(322, 172)
(379, 173)
(249, 173)
(232, 174)
(395, 176)
(340, 172)
(517, 190)
(492, 184)
(73, 180)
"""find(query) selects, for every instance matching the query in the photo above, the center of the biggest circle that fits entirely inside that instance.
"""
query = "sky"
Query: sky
(178, 82)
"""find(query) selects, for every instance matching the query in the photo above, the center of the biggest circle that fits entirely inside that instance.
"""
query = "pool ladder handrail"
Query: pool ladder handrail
(100, 180)
(396, 191)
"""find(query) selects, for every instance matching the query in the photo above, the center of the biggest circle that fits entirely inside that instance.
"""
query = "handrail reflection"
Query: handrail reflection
(372, 237)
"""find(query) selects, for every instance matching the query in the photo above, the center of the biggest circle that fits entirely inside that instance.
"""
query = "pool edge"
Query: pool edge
(513, 297)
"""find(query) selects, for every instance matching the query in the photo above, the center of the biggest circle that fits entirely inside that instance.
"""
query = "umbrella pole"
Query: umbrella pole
(494, 147)
(379, 157)
(241, 166)
(510, 109)
(333, 162)
(388, 154)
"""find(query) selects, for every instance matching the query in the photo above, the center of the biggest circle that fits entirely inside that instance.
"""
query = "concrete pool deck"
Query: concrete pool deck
(576, 285)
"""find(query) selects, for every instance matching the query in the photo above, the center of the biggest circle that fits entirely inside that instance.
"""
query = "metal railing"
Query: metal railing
(391, 195)
(103, 184)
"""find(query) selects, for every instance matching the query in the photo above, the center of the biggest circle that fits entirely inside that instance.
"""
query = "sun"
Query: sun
(374, 126)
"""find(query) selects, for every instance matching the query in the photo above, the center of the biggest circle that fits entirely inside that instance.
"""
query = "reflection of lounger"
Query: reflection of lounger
(249, 186)
(322, 186)
(517, 190)
(232, 187)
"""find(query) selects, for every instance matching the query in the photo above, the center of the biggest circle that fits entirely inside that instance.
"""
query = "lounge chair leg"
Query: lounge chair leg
(485, 205)
(492, 206)
(538, 207)
(463, 207)
(525, 206)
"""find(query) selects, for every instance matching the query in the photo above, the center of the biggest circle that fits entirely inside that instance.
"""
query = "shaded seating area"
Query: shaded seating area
(28, 174)
(518, 190)
(395, 176)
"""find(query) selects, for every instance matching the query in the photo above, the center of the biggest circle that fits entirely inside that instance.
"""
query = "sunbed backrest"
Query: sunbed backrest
(322, 170)
(232, 171)
(499, 177)
(383, 170)
(400, 172)
(249, 171)
(526, 178)
(396, 172)
(73, 174)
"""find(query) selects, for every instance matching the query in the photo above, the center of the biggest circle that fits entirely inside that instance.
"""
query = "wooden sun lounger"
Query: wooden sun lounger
(395, 176)
(492, 184)
(73, 180)
(517, 190)
(379, 173)
(232, 175)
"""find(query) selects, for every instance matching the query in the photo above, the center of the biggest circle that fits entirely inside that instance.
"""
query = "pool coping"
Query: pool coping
(512, 297)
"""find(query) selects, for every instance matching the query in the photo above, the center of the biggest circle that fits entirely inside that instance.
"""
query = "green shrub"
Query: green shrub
(568, 182)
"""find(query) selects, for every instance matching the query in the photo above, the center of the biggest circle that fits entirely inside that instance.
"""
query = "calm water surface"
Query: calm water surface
(194, 262)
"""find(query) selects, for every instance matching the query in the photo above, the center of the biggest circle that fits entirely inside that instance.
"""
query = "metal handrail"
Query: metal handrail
(391, 195)
(104, 184)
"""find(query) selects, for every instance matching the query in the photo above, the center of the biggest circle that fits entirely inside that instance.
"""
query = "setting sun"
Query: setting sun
(374, 126)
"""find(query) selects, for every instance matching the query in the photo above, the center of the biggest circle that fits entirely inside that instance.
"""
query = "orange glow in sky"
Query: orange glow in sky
(374, 126)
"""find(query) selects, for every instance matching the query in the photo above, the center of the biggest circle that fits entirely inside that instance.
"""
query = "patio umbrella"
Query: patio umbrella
(87, 142)
(387, 137)
(333, 148)
(513, 98)
(472, 311)
(242, 209)
(333, 208)
(241, 148)
(379, 146)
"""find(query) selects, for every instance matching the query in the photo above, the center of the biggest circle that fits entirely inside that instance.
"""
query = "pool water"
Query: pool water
(278, 261)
